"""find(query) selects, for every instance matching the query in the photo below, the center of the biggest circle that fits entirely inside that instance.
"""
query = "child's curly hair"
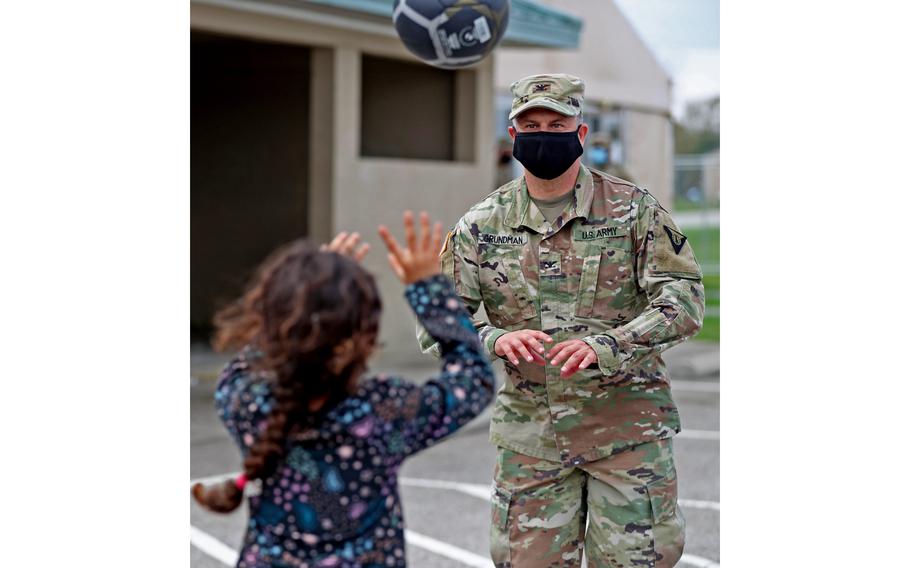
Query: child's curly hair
(314, 318)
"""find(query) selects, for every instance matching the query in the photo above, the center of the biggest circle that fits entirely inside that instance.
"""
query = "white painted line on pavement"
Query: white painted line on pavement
(213, 478)
(484, 491)
(477, 490)
(698, 219)
(473, 489)
(698, 561)
(699, 434)
(447, 550)
(699, 504)
(689, 559)
(228, 556)
(695, 386)
(213, 547)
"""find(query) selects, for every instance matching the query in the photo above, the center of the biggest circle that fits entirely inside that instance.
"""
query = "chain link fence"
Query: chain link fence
(696, 200)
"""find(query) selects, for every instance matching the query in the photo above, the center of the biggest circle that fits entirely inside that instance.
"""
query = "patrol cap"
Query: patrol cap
(555, 91)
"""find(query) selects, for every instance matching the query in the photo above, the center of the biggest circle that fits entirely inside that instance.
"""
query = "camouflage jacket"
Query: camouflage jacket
(612, 270)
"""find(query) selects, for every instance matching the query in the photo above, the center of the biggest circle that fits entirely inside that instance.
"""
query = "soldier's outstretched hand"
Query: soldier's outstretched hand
(346, 244)
(576, 353)
(420, 259)
(524, 343)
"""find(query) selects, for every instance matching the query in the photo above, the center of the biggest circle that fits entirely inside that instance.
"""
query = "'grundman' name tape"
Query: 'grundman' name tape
(488, 238)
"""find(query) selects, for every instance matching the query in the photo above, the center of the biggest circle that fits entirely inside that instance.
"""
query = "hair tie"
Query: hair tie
(240, 482)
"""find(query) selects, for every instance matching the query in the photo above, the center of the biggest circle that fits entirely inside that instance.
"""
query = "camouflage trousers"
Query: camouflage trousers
(628, 502)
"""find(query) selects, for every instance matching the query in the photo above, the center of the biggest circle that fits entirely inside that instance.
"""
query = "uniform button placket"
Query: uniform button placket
(555, 385)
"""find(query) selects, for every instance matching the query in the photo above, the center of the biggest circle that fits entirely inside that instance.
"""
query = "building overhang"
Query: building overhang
(530, 24)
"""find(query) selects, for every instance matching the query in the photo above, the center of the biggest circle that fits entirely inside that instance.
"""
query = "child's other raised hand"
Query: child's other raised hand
(346, 244)
(421, 257)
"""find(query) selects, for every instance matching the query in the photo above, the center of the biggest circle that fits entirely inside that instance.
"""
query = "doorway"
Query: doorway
(249, 162)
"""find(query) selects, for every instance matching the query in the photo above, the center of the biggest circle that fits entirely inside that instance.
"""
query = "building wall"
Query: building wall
(617, 65)
(373, 191)
(648, 153)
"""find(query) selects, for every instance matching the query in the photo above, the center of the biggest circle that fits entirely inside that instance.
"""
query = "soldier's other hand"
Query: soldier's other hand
(421, 257)
(346, 244)
(524, 343)
(576, 353)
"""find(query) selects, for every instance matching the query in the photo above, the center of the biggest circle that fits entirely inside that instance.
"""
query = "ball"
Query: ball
(451, 33)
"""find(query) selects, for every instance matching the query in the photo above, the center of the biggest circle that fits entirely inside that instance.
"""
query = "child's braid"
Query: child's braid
(302, 308)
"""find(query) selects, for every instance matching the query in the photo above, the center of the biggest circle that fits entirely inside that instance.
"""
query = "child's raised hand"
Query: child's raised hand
(421, 257)
(345, 244)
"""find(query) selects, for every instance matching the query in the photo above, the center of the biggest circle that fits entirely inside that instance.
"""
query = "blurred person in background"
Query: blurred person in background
(585, 280)
(323, 446)
(601, 158)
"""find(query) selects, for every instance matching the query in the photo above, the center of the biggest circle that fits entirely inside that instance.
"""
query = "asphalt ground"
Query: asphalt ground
(445, 490)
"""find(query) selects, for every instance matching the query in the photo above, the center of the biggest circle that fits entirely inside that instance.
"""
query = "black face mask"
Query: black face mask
(547, 155)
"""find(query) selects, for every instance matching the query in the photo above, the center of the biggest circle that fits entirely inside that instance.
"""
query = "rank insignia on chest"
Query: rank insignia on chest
(501, 239)
(677, 239)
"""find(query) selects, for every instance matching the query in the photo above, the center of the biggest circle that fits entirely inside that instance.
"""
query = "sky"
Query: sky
(685, 37)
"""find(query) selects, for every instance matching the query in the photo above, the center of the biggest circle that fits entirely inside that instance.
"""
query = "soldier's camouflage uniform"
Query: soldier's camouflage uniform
(614, 271)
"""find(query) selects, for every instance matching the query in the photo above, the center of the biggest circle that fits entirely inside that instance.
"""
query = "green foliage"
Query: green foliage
(706, 243)
(710, 330)
(691, 141)
(698, 132)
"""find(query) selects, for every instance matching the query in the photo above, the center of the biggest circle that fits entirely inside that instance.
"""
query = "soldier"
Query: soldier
(595, 269)
(601, 157)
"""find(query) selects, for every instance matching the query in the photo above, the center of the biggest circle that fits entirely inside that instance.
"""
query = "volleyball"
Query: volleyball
(451, 33)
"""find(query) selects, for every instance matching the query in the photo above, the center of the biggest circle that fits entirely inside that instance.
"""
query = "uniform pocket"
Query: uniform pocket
(506, 295)
(606, 274)
(668, 526)
(662, 494)
(499, 527)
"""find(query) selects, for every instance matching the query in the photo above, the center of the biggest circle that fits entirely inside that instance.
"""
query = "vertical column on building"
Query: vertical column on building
(322, 142)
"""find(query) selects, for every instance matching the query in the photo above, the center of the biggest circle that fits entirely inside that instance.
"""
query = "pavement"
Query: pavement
(696, 219)
(445, 489)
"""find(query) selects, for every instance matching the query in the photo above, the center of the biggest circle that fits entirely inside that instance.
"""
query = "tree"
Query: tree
(698, 132)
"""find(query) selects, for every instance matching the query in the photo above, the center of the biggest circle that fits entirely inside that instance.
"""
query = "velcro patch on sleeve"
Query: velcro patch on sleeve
(677, 239)
(672, 252)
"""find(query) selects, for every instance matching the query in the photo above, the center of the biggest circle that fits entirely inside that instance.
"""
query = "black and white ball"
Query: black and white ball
(451, 33)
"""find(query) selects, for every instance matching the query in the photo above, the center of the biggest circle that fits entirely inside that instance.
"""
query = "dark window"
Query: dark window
(407, 110)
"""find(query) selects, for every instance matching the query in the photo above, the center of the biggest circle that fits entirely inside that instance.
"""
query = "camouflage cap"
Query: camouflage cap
(555, 91)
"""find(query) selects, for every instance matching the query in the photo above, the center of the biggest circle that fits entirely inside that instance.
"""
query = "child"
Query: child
(324, 447)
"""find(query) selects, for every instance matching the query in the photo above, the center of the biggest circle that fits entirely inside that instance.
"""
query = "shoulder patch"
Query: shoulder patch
(677, 239)
(671, 252)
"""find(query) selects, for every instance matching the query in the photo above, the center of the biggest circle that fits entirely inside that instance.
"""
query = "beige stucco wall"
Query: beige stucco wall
(370, 191)
(616, 64)
(648, 151)
(352, 193)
